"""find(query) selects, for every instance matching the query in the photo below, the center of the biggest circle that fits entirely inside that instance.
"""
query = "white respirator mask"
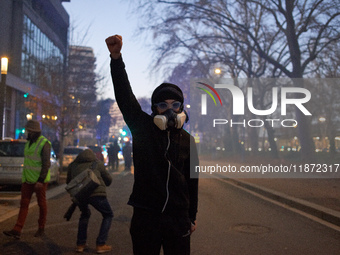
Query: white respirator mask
(169, 119)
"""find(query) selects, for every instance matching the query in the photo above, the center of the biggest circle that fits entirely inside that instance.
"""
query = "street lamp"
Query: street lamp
(323, 130)
(218, 71)
(29, 116)
(322, 119)
(99, 133)
(4, 65)
(4, 68)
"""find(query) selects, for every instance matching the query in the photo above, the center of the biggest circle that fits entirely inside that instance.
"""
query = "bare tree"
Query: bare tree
(291, 34)
(328, 92)
(58, 108)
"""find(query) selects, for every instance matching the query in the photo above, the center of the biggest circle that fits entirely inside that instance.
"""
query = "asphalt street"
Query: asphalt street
(230, 221)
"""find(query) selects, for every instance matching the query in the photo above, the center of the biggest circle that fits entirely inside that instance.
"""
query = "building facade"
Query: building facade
(34, 37)
(81, 87)
(118, 122)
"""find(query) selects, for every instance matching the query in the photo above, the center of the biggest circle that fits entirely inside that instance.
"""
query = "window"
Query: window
(12, 149)
(39, 51)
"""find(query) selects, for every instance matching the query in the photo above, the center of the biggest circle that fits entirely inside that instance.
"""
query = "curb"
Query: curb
(318, 211)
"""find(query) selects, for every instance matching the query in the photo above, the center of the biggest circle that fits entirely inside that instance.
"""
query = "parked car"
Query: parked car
(70, 154)
(98, 150)
(12, 162)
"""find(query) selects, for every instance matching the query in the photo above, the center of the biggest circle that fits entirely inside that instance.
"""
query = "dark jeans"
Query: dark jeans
(128, 163)
(150, 231)
(101, 204)
(114, 162)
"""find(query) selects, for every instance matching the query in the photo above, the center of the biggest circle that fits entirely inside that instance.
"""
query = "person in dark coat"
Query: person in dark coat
(127, 154)
(113, 156)
(98, 200)
(165, 190)
(56, 147)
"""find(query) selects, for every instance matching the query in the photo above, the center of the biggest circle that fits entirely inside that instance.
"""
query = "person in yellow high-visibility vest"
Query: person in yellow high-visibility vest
(35, 178)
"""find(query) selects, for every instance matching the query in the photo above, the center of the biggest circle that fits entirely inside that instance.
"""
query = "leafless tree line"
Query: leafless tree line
(250, 39)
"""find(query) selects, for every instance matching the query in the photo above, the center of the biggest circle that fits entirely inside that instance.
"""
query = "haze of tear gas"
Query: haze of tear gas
(92, 22)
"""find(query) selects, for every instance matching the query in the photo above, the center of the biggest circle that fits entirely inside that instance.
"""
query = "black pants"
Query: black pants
(150, 231)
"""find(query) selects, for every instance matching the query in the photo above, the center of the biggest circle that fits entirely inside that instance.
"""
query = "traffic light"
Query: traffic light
(125, 132)
(19, 132)
(26, 95)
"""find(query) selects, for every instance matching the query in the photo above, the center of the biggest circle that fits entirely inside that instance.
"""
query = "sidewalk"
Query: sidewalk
(10, 205)
(316, 197)
(323, 192)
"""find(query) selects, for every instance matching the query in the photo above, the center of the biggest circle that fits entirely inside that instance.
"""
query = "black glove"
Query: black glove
(70, 211)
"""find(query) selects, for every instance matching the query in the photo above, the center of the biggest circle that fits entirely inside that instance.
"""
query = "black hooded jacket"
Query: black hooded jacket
(162, 177)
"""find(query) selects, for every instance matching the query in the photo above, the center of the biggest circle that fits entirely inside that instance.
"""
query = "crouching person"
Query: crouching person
(98, 200)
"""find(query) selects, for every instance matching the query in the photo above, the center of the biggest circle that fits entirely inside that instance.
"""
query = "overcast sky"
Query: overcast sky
(103, 18)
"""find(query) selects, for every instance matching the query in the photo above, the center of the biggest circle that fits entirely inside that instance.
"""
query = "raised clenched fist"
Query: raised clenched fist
(114, 44)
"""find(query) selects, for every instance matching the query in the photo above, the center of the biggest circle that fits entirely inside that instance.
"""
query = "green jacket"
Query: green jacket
(83, 161)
